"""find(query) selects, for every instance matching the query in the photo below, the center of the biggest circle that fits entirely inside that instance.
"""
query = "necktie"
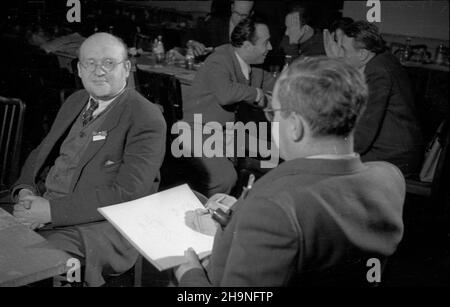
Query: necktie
(87, 115)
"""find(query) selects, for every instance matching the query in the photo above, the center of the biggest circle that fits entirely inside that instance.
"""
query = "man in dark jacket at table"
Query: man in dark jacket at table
(322, 217)
(389, 129)
(105, 147)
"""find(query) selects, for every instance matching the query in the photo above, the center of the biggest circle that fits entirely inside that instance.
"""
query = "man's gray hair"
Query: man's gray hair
(328, 93)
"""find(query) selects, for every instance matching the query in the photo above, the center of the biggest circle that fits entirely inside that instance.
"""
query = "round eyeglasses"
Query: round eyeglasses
(107, 65)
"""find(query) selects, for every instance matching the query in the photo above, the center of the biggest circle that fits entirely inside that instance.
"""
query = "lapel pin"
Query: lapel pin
(98, 136)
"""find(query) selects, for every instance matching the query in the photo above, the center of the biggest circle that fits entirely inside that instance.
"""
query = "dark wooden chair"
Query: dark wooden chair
(431, 94)
(249, 165)
(165, 91)
(12, 113)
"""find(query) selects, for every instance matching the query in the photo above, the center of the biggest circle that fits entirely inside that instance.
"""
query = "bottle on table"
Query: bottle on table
(190, 57)
(158, 50)
(406, 54)
(287, 61)
(439, 54)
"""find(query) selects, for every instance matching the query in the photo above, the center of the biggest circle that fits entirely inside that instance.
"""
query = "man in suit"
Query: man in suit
(389, 129)
(225, 81)
(105, 147)
(300, 38)
(217, 30)
(320, 216)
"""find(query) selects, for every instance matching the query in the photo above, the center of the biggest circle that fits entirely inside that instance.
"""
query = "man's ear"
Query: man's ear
(127, 66)
(247, 45)
(296, 127)
(364, 55)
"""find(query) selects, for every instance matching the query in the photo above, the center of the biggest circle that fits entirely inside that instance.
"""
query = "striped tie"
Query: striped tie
(88, 114)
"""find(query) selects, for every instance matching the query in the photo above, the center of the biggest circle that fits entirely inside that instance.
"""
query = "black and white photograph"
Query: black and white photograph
(246, 146)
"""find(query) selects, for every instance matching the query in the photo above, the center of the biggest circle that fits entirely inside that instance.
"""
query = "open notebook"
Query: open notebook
(155, 225)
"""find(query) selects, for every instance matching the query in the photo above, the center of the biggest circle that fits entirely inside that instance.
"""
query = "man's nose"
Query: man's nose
(269, 47)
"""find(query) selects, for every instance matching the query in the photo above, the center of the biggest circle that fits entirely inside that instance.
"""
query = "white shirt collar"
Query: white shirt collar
(103, 104)
(231, 26)
(334, 156)
(245, 68)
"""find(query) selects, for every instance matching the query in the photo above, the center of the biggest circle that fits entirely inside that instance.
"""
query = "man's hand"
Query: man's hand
(192, 262)
(293, 28)
(200, 220)
(333, 49)
(36, 215)
(21, 201)
(197, 47)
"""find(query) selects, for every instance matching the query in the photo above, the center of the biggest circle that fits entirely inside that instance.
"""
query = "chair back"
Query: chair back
(164, 90)
(78, 85)
(12, 113)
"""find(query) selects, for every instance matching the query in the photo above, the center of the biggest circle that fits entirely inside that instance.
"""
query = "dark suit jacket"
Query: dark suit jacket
(220, 85)
(309, 221)
(389, 129)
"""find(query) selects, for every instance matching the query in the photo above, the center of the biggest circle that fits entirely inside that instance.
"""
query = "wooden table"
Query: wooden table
(25, 256)
(185, 76)
(147, 63)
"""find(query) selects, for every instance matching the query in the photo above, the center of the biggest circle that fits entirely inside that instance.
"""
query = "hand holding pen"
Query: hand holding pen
(218, 205)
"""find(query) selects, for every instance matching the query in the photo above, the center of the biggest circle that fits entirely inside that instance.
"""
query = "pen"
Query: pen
(246, 190)
(217, 215)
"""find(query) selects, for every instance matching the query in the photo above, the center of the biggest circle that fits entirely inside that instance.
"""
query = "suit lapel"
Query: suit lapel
(237, 67)
(110, 122)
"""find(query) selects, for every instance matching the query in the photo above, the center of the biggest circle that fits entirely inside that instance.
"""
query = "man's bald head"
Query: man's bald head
(103, 65)
(104, 39)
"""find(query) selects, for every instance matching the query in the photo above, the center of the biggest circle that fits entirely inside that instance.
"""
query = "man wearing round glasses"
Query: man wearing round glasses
(103, 67)
(105, 147)
(320, 216)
